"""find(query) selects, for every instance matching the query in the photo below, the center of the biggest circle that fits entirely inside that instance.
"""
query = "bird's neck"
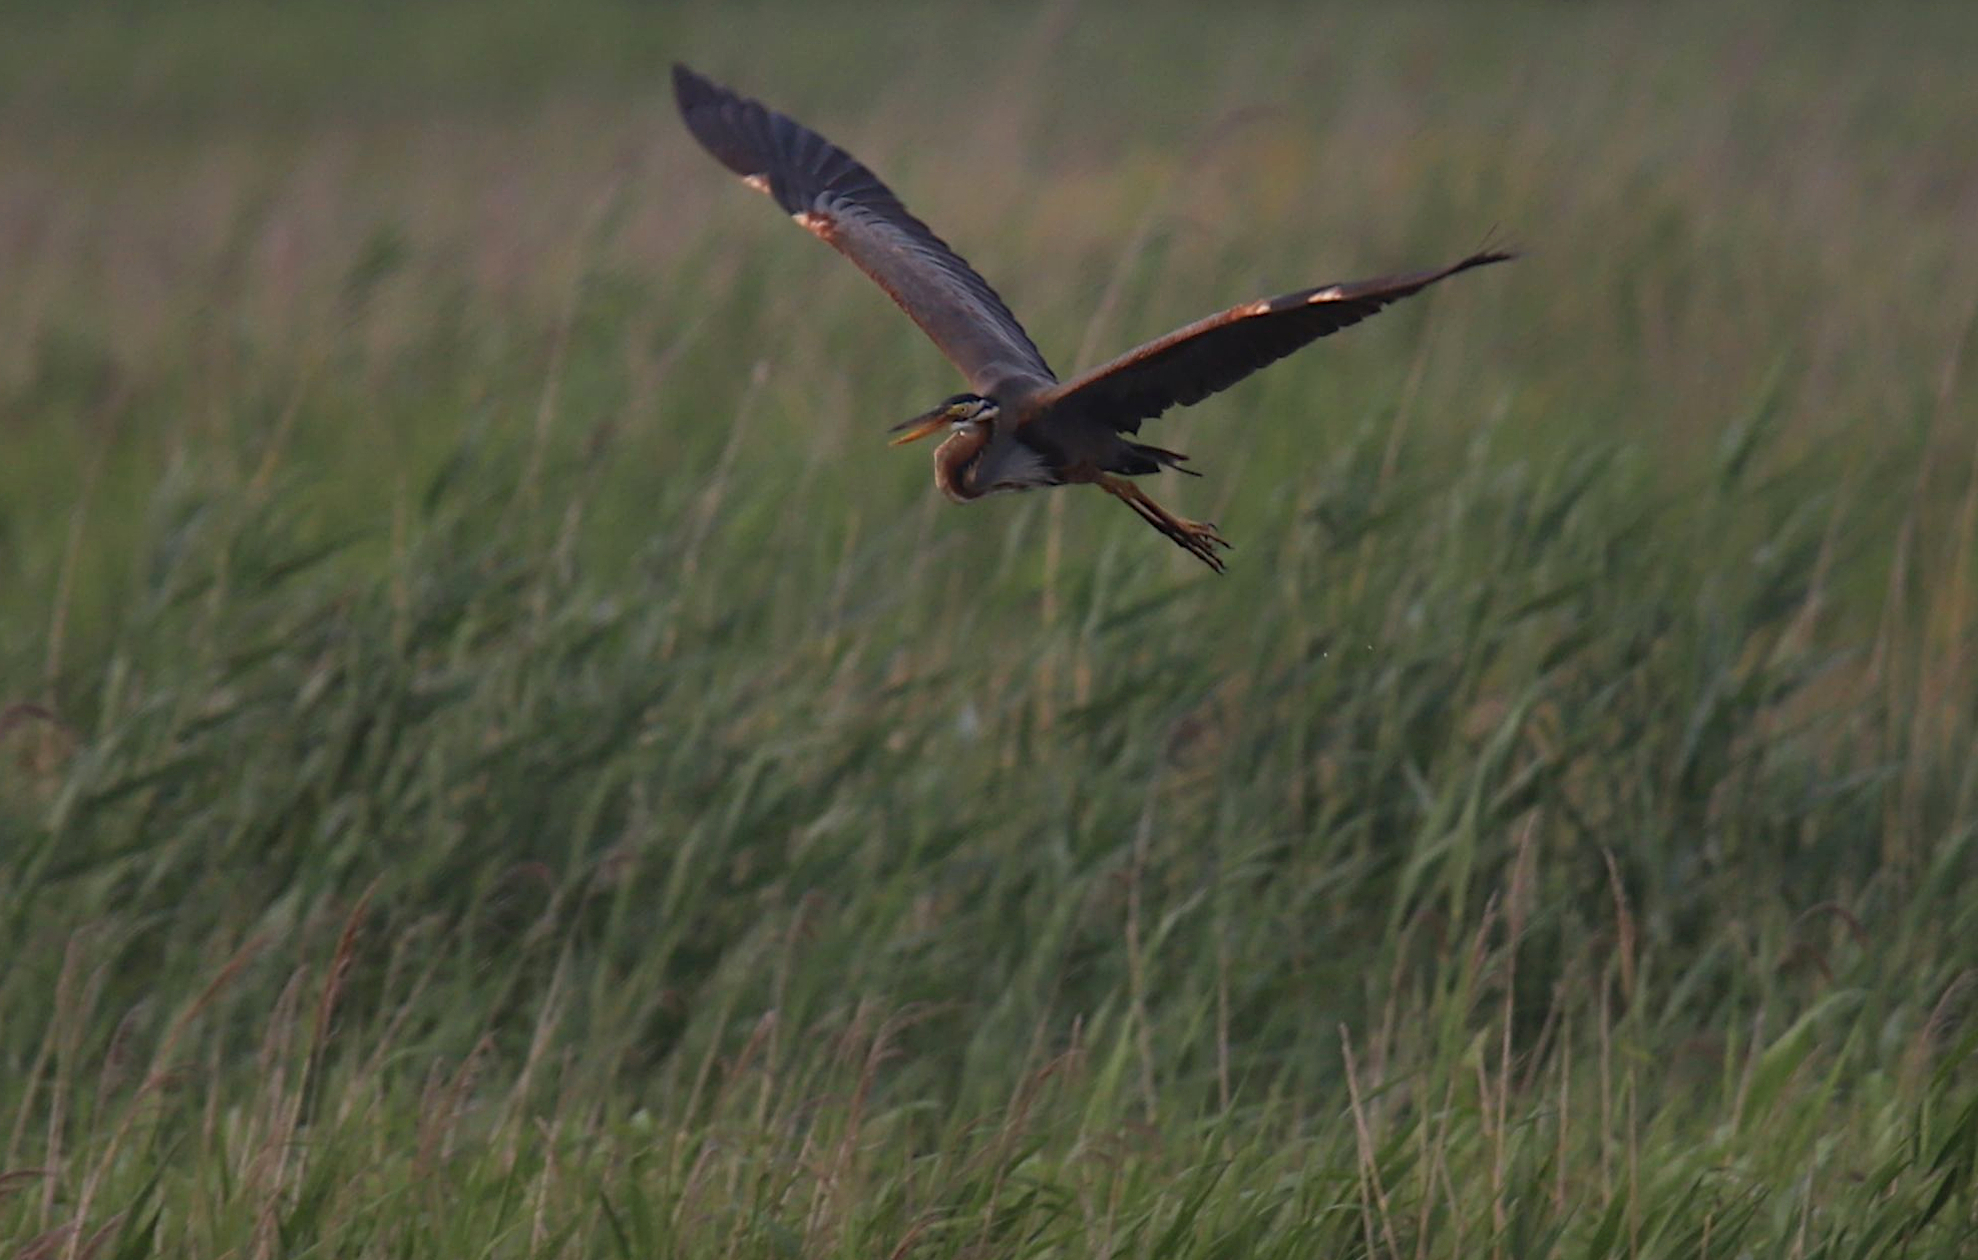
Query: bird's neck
(951, 465)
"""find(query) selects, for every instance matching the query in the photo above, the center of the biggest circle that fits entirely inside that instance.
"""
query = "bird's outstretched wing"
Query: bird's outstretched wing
(828, 192)
(1213, 354)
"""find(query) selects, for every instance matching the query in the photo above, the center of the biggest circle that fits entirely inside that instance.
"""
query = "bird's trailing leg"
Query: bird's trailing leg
(1197, 538)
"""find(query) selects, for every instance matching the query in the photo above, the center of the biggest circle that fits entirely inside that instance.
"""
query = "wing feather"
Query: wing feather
(1213, 354)
(834, 197)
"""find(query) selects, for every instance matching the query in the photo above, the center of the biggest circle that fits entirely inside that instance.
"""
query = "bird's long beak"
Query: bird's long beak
(919, 427)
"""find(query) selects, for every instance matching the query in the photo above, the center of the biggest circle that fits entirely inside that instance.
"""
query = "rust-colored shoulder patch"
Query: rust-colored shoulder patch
(822, 226)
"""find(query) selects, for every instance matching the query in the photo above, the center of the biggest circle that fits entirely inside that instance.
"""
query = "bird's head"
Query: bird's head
(963, 413)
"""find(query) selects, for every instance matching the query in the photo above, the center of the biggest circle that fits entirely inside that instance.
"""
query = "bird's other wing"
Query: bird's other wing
(1213, 354)
(838, 200)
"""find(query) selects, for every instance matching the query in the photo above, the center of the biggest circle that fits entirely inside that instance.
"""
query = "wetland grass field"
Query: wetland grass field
(499, 759)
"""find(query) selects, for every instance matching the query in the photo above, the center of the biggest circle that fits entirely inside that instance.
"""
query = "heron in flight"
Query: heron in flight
(1020, 427)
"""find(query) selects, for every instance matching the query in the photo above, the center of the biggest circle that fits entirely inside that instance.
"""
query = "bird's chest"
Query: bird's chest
(1007, 463)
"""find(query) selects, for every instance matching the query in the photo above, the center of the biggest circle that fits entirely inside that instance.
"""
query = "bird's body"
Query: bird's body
(991, 459)
(996, 447)
(1021, 428)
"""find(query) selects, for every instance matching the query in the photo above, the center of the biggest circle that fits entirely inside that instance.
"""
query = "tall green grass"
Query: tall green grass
(500, 760)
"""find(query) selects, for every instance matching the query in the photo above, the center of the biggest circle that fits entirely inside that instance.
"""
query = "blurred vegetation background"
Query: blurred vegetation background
(497, 758)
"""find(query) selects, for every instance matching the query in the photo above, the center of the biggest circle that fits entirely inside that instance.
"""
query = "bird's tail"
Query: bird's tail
(1151, 459)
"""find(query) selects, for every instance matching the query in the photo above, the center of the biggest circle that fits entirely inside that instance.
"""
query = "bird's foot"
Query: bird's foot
(1205, 531)
(1200, 539)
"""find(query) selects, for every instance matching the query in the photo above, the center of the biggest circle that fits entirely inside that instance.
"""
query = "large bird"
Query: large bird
(1020, 427)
